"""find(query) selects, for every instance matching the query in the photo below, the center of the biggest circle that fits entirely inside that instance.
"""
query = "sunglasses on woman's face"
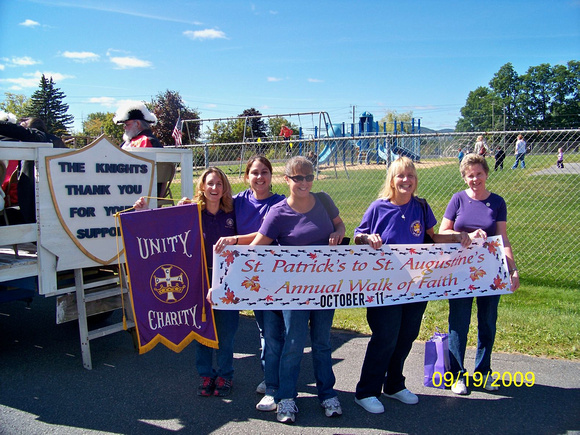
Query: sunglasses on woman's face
(300, 178)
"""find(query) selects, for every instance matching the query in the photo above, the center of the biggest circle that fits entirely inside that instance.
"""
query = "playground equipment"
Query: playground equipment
(367, 142)
(304, 136)
(398, 145)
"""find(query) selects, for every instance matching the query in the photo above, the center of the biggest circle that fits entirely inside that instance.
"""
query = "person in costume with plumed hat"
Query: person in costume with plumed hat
(138, 120)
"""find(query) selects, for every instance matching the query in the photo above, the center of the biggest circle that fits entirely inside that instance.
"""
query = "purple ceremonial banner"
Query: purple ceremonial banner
(168, 277)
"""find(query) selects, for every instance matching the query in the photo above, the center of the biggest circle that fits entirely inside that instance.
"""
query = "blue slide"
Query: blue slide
(326, 153)
(330, 147)
(382, 150)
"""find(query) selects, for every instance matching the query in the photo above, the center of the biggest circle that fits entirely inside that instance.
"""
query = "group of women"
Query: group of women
(304, 218)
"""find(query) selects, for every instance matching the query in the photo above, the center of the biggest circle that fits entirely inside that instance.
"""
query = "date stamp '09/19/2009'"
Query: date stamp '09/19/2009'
(505, 379)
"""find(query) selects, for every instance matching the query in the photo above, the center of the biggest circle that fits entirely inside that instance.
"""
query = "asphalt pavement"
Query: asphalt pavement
(45, 389)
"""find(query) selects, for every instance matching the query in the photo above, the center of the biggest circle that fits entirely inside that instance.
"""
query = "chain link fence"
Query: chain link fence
(543, 200)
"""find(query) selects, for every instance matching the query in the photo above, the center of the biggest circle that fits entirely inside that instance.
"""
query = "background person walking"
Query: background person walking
(520, 152)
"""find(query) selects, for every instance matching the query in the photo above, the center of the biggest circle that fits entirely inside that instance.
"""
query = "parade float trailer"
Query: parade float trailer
(72, 251)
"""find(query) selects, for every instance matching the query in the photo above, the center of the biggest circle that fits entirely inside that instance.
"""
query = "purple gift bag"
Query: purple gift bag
(436, 360)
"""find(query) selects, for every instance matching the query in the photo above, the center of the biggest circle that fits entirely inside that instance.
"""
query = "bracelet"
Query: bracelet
(236, 240)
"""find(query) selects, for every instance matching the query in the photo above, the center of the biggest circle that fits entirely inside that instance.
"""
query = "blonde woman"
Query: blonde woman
(396, 217)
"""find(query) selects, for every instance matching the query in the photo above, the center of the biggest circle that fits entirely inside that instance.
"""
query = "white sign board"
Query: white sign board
(86, 188)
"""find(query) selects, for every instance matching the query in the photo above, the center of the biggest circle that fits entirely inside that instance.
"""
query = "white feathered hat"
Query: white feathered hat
(134, 110)
(8, 117)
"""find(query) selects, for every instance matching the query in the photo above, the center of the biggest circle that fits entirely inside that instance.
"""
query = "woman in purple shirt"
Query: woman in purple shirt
(213, 194)
(396, 217)
(303, 219)
(251, 206)
(479, 212)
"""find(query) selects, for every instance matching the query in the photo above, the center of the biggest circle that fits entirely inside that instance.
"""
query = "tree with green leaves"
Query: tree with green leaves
(99, 123)
(506, 84)
(168, 107)
(47, 104)
(15, 103)
(476, 115)
(544, 97)
(276, 123)
(537, 88)
(391, 116)
(565, 104)
(230, 131)
(255, 126)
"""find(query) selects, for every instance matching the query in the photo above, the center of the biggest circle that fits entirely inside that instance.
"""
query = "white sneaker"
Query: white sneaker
(459, 386)
(489, 380)
(266, 404)
(286, 411)
(404, 396)
(261, 388)
(371, 404)
(332, 407)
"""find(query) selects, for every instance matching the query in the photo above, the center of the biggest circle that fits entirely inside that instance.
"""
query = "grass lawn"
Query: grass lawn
(542, 318)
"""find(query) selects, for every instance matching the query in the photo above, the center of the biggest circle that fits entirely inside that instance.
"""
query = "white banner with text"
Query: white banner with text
(322, 277)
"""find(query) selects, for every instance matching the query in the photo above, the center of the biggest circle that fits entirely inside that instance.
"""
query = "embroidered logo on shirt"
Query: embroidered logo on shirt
(416, 228)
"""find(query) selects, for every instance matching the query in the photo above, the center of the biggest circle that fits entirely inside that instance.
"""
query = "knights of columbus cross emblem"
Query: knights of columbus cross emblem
(169, 283)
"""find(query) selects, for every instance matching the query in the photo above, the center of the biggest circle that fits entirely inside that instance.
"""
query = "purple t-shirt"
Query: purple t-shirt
(250, 211)
(385, 218)
(290, 228)
(470, 214)
(215, 226)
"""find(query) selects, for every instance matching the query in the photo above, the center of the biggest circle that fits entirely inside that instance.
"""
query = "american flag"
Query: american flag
(177, 131)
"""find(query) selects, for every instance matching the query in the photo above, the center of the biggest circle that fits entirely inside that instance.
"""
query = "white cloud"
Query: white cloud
(21, 82)
(315, 81)
(2, 67)
(22, 61)
(129, 102)
(130, 62)
(30, 23)
(56, 77)
(429, 107)
(274, 79)
(32, 80)
(273, 12)
(81, 56)
(205, 34)
(104, 101)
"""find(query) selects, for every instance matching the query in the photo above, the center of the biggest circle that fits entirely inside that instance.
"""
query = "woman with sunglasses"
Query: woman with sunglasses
(303, 219)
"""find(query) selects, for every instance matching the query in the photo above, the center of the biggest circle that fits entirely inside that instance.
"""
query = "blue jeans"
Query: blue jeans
(274, 332)
(520, 158)
(259, 316)
(296, 322)
(226, 323)
(394, 328)
(459, 319)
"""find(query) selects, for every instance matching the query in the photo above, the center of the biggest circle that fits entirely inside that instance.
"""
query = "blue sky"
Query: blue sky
(423, 56)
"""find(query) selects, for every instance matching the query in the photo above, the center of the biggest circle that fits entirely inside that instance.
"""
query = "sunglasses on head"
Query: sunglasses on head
(299, 178)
